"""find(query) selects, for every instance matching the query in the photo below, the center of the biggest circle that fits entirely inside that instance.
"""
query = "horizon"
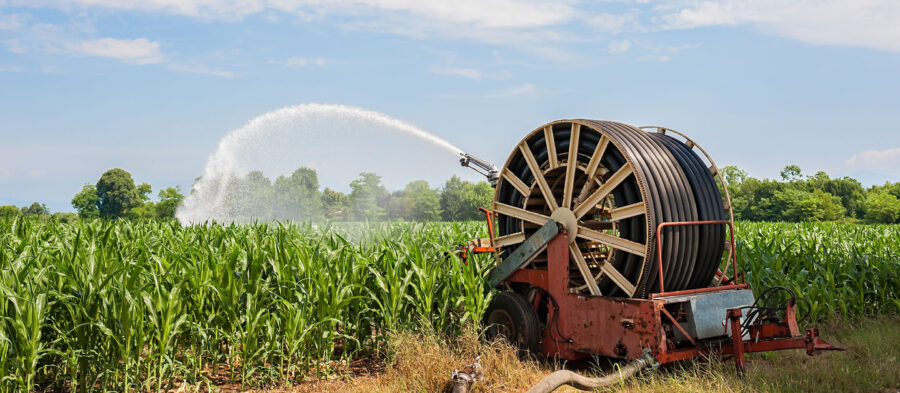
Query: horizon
(152, 88)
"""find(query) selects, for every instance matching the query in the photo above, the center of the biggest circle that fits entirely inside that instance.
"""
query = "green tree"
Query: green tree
(334, 203)
(453, 199)
(86, 202)
(36, 209)
(253, 196)
(799, 205)
(758, 200)
(144, 190)
(851, 192)
(735, 178)
(298, 196)
(9, 211)
(479, 194)
(422, 201)
(398, 205)
(144, 211)
(790, 173)
(882, 207)
(169, 199)
(117, 193)
(65, 217)
(733, 175)
(460, 199)
(887, 187)
(365, 194)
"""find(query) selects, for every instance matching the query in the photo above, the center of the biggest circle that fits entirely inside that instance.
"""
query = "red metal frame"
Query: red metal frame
(580, 326)
(464, 250)
(659, 240)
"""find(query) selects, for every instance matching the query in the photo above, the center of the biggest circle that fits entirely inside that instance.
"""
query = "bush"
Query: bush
(882, 207)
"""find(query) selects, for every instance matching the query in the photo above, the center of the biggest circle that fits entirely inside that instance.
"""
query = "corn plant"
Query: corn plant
(142, 306)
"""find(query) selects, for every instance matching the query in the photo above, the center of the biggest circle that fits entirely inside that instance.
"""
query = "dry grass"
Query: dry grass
(423, 363)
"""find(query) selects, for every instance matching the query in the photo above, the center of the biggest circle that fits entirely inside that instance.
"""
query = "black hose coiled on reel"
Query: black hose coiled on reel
(668, 176)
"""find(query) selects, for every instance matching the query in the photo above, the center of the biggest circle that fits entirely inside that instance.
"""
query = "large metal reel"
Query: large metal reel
(611, 184)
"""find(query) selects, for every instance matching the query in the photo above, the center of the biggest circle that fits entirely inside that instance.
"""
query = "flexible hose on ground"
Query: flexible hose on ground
(566, 377)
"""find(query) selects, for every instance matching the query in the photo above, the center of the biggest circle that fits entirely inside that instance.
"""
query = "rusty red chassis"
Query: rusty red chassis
(668, 324)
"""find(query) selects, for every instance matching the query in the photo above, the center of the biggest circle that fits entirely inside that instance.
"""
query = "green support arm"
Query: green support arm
(524, 253)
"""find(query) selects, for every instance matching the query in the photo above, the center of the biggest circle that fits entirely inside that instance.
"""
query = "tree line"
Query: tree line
(299, 196)
(115, 195)
(816, 197)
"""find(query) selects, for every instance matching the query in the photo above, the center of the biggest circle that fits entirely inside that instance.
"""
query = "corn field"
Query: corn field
(842, 269)
(135, 306)
(142, 306)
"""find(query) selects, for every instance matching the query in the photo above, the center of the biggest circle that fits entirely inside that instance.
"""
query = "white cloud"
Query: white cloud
(525, 90)
(534, 26)
(861, 23)
(12, 21)
(306, 62)
(137, 51)
(201, 69)
(469, 73)
(619, 46)
(17, 47)
(614, 23)
(11, 69)
(888, 159)
(485, 13)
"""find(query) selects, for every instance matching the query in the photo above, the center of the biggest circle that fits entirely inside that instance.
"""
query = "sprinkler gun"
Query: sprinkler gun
(483, 167)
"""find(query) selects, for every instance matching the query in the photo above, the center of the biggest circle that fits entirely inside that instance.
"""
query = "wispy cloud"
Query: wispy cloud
(300, 61)
(620, 46)
(869, 23)
(530, 25)
(201, 69)
(468, 73)
(484, 13)
(615, 23)
(520, 91)
(660, 53)
(875, 159)
(525, 90)
(75, 39)
(12, 21)
(137, 51)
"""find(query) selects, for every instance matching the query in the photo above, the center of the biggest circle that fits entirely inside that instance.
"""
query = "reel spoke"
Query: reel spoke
(613, 241)
(517, 183)
(538, 176)
(611, 185)
(522, 214)
(571, 164)
(594, 163)
(509, 240)
(603, 191)
(632, 210)
(584, 269)
(551, 147)
(617, 278)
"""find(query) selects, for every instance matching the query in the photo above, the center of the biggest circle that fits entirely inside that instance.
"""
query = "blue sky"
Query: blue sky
(152, 86)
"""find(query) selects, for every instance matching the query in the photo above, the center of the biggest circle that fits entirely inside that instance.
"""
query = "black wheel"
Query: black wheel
(511, 316)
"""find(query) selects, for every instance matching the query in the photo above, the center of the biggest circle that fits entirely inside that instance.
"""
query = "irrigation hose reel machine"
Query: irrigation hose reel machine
(612, 239)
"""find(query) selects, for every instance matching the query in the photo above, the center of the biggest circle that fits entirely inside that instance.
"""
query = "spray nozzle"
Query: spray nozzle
(483, 167)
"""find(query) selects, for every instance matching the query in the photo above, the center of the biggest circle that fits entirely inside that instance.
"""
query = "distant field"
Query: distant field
(148, 305)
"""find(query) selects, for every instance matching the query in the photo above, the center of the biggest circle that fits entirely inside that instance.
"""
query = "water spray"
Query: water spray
(219, 196)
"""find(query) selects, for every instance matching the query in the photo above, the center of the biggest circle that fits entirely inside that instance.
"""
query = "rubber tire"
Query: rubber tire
(511, 311)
